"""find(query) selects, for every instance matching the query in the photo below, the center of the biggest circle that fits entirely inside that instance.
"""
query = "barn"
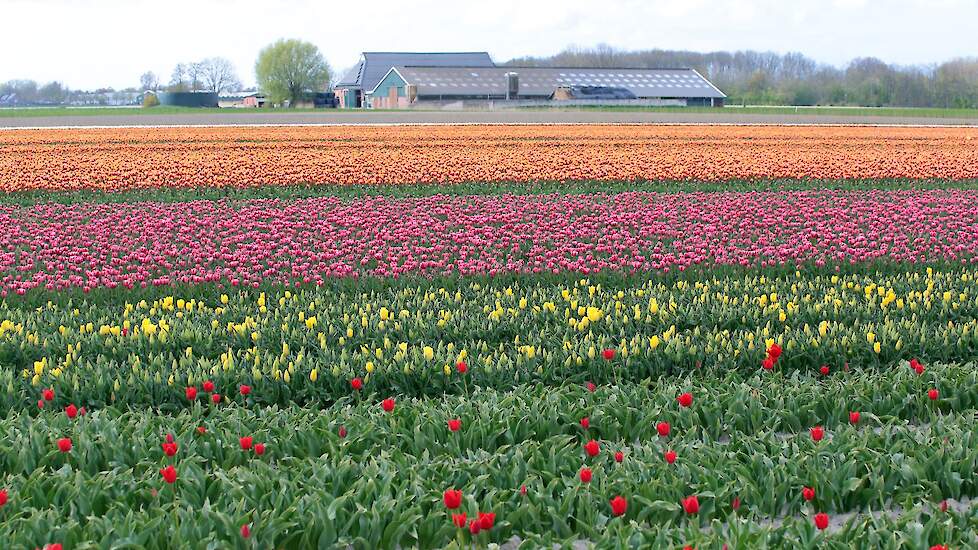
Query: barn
(394, 80)
(406, 86)
(374, 66)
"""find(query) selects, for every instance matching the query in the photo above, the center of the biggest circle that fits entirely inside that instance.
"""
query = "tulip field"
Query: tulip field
(489, 336)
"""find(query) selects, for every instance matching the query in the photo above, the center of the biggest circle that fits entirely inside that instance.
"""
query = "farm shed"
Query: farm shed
(407, 85)
(188, 99)
(374, 66)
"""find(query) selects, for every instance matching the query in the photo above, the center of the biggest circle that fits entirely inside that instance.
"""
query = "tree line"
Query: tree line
(767, 78)
(287, 72)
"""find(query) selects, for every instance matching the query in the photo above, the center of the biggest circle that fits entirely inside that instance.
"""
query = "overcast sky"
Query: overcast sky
(88, 44)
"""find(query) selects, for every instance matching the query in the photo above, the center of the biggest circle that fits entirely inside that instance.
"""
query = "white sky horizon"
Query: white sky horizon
(88, 44)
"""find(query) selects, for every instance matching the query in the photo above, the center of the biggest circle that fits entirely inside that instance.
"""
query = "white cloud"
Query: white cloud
(87, 44)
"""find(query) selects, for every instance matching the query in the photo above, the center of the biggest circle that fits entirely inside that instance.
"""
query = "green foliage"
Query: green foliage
(347, 192)
(381, 485)
(291, 70)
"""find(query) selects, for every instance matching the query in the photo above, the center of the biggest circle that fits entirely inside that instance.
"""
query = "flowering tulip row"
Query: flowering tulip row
(407, 337)
(113, 159)
(485, 419)
(90, 245)
(519, 455)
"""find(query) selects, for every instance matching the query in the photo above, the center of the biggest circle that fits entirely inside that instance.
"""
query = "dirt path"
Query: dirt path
(470, 117)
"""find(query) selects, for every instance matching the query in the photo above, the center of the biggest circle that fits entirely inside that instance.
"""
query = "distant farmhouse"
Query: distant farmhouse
(392, 80)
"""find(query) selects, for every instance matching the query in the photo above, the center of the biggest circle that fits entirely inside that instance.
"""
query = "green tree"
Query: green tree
(291, 70)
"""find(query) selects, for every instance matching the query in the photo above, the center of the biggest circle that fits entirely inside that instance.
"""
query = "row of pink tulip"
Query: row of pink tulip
(90, 245)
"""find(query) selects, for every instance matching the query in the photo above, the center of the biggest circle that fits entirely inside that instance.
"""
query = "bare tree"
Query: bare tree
(178, 80)
(149, 81)
(193, 75)
(217, 75)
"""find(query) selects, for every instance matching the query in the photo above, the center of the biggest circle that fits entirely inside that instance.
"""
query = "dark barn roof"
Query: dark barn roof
(542, 81)
(373, 66)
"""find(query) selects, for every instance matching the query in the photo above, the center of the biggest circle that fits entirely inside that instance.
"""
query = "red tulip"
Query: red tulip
(585, 475)
(169, 449)
(47, 394)
(168, 438)
(592, 448)
(208, 386)
(591, 387)
(943, 506)
(670, 456)
(619, 505)
(821, 520)
(71, 411)
(474, 526)
(356, 384)
(807, 493)
(244, 389)
(216, 398)
(824, 370)
(459, 520)
(3, 497)
(619, 456)
(169, 474)
(817, 433)
(201, 430)
(81, 411)
(774, 351)
(688, 547)
(523, 490)
(452, 498)
(40, 403)
(685, 399)
(259, 449)
(854, 417)
(933, 394)
(387, 404)
(691, 504)
(487, 520)
(245, 443)
(342, 431)
(585, 423)
(191, 393)
(938, 547)
(735, 504)
(919, 369)
(663, 428)
(454, 424)
(461, 367)
(53, 546)
(64, 444)
(767, 363)
(608, 354)
(245, 531)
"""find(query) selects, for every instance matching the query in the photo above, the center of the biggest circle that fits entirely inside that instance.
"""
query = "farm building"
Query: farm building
(241, 99)
(188, 99)
(373, 66)
(392, 80)
(406, 86)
